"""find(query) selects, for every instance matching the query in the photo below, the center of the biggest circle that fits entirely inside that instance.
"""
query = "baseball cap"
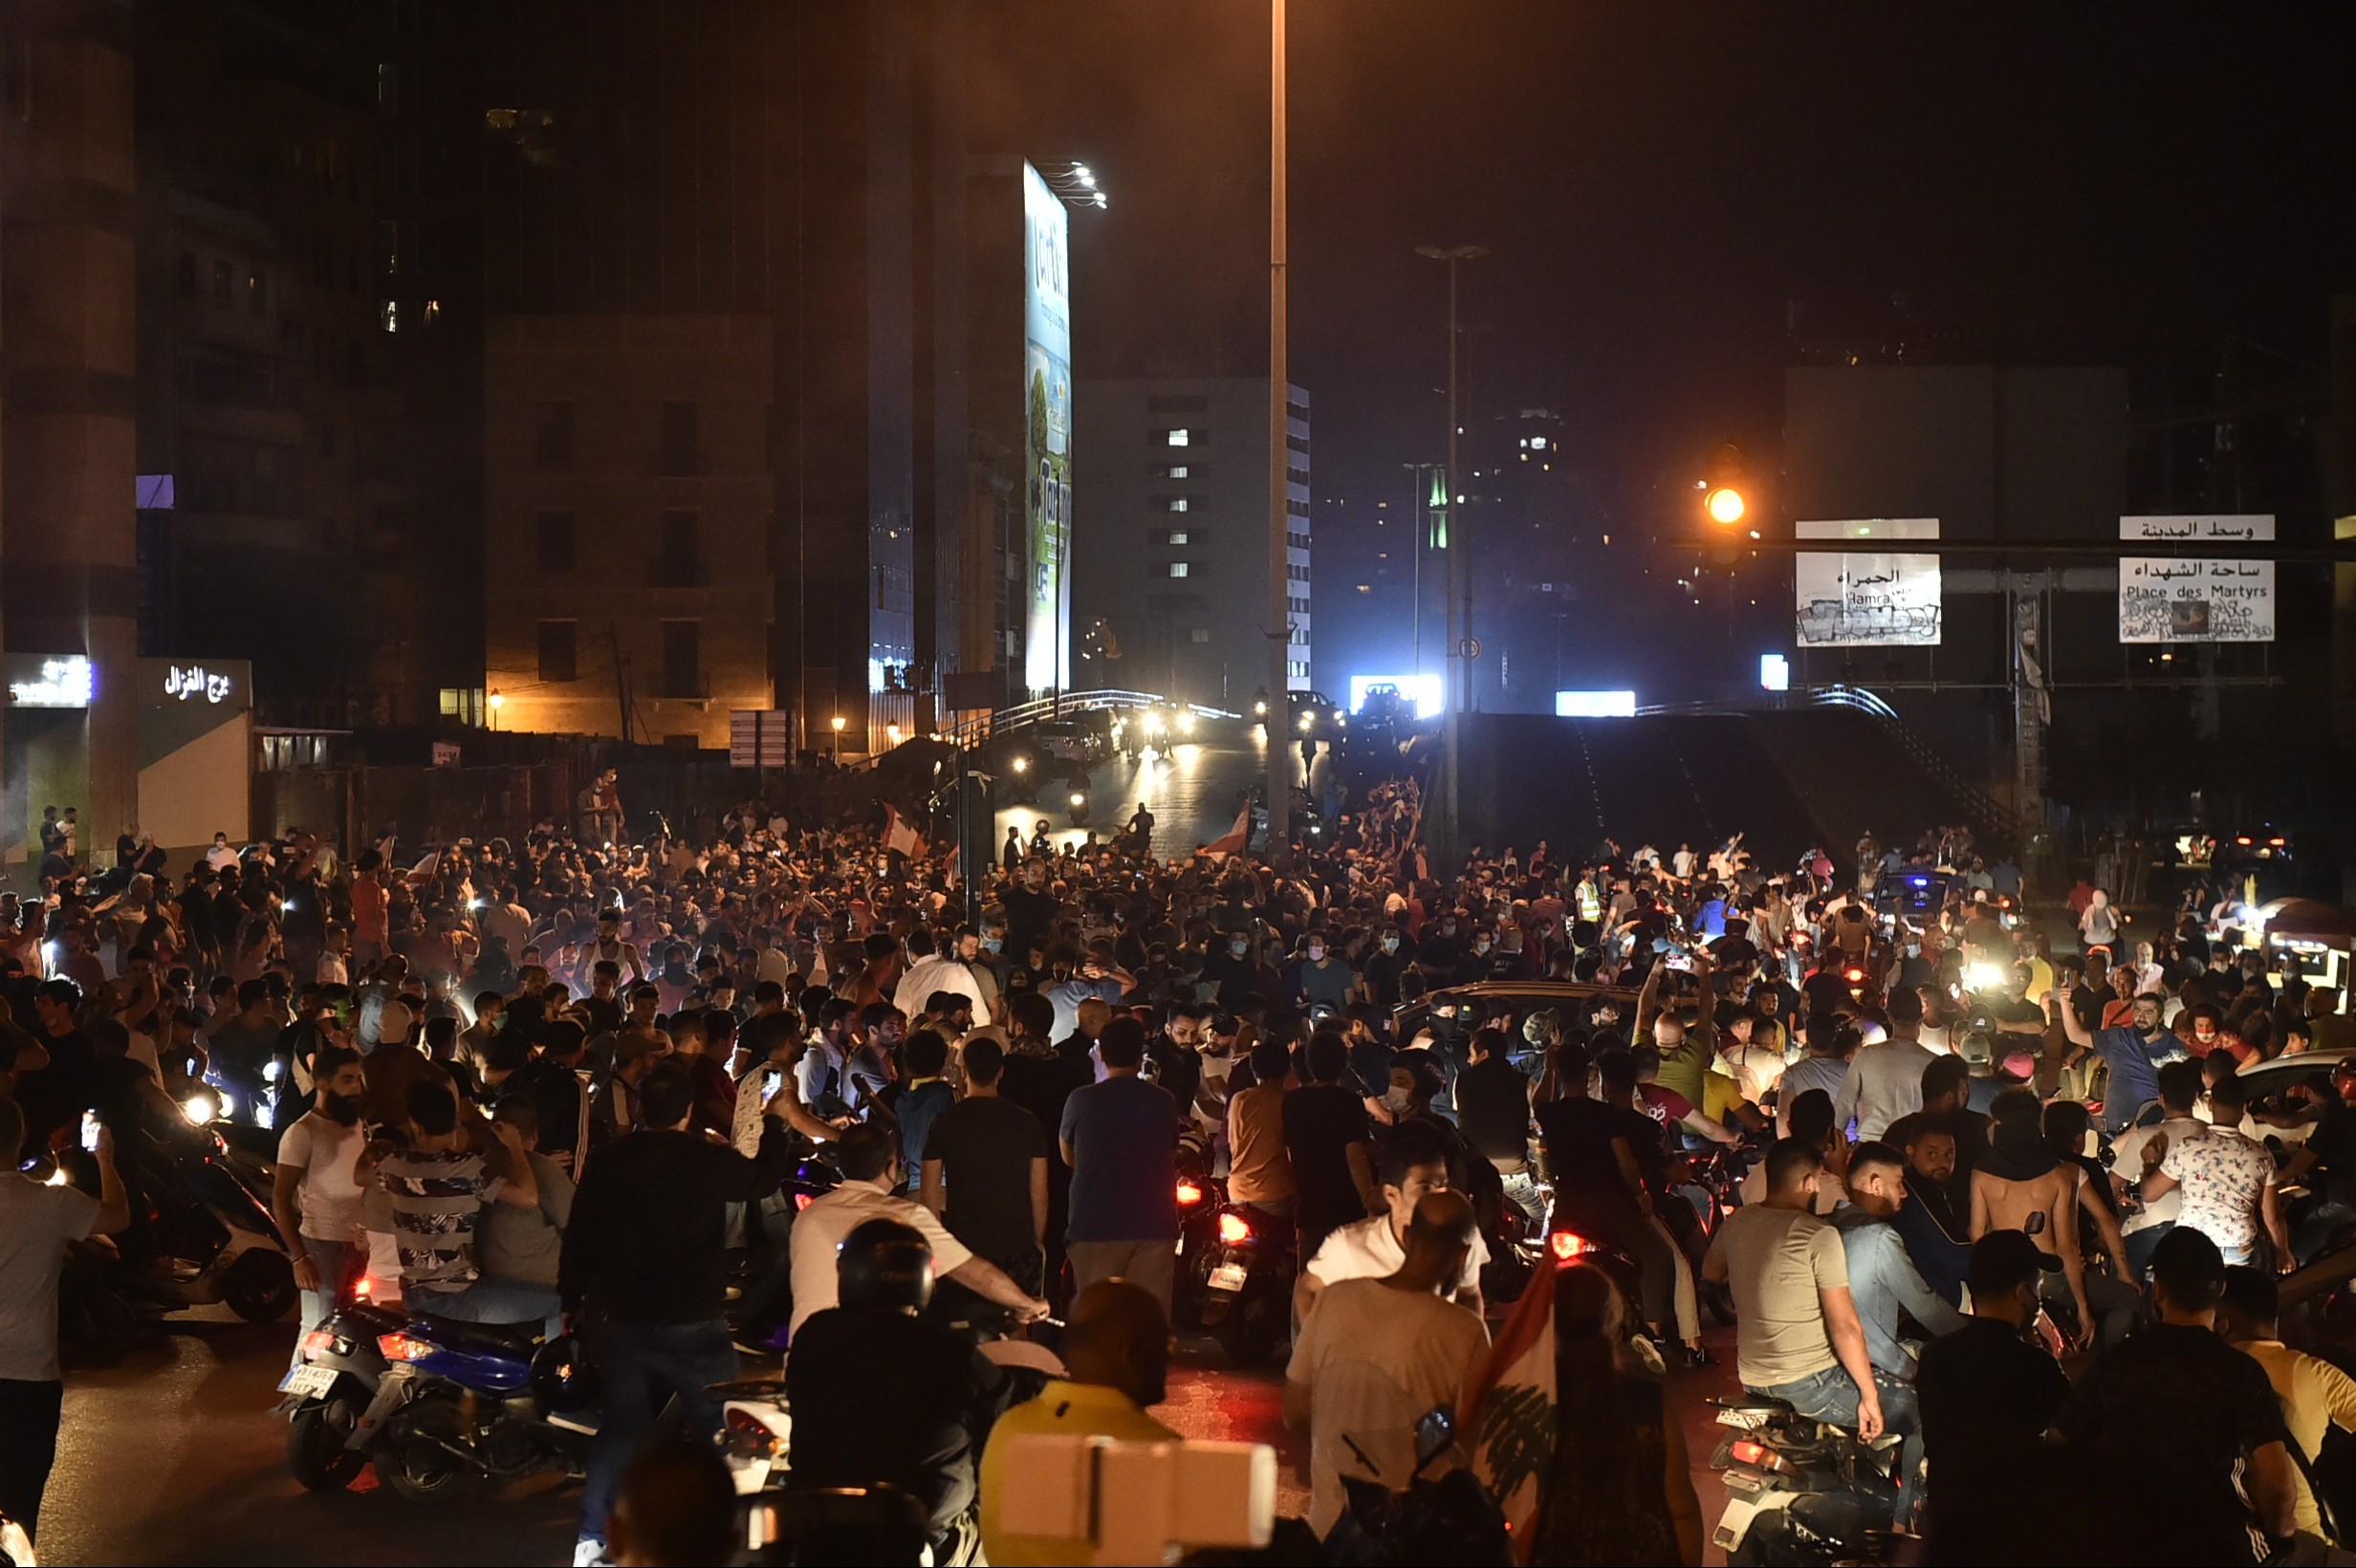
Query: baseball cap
(2004, 1260)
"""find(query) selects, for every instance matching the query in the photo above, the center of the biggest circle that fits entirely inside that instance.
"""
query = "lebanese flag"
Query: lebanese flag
(1508, 1414)
(898, 838)
(1234, 838)
(423, 871)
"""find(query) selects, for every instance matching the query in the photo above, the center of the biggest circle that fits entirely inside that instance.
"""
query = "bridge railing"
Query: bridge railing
(982, 727)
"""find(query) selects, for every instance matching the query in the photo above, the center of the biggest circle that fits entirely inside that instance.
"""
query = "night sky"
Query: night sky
(1659, 184)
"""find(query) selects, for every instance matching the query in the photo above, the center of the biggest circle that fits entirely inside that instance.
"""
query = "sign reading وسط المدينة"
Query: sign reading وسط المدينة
(2189, 598)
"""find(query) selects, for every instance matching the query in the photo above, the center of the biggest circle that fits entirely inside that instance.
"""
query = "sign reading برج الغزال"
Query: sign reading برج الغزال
(2166, 598)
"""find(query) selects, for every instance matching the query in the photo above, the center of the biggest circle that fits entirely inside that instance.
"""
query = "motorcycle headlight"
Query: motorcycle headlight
(199, 1109)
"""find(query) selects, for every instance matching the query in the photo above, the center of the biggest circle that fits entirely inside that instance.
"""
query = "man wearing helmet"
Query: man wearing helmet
(872, 1356)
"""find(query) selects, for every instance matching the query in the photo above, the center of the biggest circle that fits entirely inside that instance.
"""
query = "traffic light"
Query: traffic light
(1726, 487)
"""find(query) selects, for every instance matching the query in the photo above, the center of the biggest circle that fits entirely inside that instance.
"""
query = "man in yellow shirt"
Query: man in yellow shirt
(2316, 1395)
(1116, 1356)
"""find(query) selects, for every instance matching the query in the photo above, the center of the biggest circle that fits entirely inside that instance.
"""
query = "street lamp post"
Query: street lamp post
(1279, 757)
(1459, 555)
(834, 753)
(498, 700)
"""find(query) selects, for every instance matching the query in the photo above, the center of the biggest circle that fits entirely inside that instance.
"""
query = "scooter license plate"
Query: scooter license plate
(1228, 1276)
(307, 1382)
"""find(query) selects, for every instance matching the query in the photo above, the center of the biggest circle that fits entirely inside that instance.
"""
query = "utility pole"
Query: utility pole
(1460, 560)
(1278, 726)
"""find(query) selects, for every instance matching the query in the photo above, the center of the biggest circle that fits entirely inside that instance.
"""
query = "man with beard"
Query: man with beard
(315, 1201)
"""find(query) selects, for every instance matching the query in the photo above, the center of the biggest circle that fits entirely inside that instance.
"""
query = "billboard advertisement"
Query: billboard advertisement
(1868, 597)
(2170, 598)
(1047, 385)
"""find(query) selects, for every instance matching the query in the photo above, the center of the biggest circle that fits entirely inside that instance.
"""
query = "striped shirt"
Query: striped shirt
(436, 1200)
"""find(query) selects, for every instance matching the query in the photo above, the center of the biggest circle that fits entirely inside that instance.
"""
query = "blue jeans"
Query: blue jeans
(496, 1302)
(1831, 1396)
(644, 1364)
(2142, 1244)
(340, 1263)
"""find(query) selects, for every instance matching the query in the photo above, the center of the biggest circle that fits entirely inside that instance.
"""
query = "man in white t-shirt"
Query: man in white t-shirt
(37, 1221)
(1409, 1164)
(316, 1200)
(1377, 1353)
(871, 1171)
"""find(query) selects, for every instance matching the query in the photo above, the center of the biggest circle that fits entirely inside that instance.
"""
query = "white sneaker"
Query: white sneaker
(590, 1553)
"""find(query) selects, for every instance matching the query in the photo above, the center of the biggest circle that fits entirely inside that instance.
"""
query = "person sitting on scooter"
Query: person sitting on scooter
(438, 1186)
(878, 1395)
(1408, 1164)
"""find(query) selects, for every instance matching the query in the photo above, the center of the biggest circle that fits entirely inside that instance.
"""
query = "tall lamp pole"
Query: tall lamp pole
(1278, 726)
(1459, 555)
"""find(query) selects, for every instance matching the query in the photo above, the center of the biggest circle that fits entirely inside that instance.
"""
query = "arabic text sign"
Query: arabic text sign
(2196, 600)
(1868, 599)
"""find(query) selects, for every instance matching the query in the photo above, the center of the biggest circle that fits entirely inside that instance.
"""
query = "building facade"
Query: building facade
(1171, 558)
(627, 517)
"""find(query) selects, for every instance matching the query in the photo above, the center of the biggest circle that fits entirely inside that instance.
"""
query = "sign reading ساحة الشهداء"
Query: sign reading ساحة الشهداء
(2195, 599)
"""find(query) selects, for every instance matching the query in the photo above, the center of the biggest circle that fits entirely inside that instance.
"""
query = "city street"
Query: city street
(174, 1456)
(1193, 789)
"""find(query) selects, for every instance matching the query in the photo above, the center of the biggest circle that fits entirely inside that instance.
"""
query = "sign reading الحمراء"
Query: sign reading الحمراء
(2184, 599)
(189, 682)
(1871, 598)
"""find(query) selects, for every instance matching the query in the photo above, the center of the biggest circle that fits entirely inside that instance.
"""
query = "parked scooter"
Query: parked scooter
(1799, 1491)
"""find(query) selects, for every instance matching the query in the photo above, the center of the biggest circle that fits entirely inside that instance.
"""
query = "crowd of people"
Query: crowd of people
(1918, 1161)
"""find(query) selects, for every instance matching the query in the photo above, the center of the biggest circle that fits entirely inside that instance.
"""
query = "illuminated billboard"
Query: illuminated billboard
(1047, 384)
(2169, 598)
(1595, 704)
(1871, 598)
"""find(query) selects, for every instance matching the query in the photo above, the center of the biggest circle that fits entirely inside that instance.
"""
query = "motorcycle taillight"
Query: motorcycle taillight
(1234, 1228)
(1566, 1245)
(403, 1347)
(1189, 1194)
(318, 1342)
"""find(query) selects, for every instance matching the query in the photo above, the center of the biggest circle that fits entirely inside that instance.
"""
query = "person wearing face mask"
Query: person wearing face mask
(315, 1199)
(1384, 967)
(1479, 961)
(1320, 978)
(1442, 947)
(1229, 968)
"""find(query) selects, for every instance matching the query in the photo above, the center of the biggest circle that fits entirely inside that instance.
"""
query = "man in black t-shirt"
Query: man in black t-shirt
(880, 1396)
(1988, 1396)
(1037, 1079)
(1595, 1155)
(1330, 1140)
(985, 1171)
(2176, 1429)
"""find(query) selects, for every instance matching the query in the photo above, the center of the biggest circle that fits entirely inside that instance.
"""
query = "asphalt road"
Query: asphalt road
(1193, 789)
(174, 1456)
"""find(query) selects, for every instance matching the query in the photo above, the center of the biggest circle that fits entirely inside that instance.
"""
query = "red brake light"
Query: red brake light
(364, 1288)
(2275, 843)
(1748, 1452)
(748, 1430)
(1565, 1245)
(1855, 976)
(2243, 839)
(1190, 1194)
(1235, 1228)
(801, 1201)
(400, 1347)
(317, 1342)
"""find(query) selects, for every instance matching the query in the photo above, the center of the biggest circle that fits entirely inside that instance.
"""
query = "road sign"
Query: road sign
(1468, 649)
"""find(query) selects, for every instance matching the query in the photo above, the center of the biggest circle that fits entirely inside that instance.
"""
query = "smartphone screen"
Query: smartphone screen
(90, 1132)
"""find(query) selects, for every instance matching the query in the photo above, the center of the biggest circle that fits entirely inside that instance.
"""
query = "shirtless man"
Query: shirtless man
(2019, 1185)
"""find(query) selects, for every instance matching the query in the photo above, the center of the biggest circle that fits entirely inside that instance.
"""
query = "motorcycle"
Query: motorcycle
(214, 1240)
(1201, 1198)
(1799, 1491)
(1450, 1519)
(342, 1366)
(1246, 1281)
(1079, 812)
(465, 1404)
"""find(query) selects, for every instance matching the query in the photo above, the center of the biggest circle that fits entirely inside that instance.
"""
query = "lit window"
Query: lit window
(1178, 536)
(1179, 569)
(1181, 437)
(1176, 470)
(390, 314)
(1202, 634)
(1177, 502)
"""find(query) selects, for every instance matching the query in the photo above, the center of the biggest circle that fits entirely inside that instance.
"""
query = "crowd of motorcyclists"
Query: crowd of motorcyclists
(591, 1126)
